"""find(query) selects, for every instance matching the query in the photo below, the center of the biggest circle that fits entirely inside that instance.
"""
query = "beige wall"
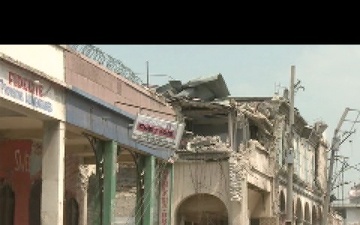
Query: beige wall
(199, 177)
(323, 165)
(213, 178)
(100, 82)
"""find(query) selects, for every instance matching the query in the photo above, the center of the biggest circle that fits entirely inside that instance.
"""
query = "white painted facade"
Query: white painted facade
(49, 59)
(24, 88)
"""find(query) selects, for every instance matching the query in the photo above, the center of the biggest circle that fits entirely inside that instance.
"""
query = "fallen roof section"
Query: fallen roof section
(202, 89)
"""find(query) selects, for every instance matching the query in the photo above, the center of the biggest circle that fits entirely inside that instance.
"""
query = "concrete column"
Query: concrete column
(235, 216)
(149, 192)
(110, 154)
(83, 208)
(244, 203)
(239, 210)
(52, 197)
(83, 193)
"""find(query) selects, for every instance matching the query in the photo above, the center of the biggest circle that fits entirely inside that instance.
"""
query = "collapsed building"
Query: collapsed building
(230, 166)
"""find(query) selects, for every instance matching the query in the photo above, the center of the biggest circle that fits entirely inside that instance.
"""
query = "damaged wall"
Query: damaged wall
(220, 130)
(194, 178)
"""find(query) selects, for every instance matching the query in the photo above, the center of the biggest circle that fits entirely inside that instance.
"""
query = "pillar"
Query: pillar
(244, 203)
(83, 192)
(149, 192)
(110, 155)
(239, 214)
(52, 197)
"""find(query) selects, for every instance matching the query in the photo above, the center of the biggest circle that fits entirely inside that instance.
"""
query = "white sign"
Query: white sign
(157, 132)
(26, 89)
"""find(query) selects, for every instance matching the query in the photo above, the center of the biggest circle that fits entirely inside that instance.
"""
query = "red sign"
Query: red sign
(15, 169)
(164, 198)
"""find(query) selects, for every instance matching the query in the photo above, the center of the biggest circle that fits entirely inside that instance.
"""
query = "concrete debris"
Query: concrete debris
(239, 167)
(207, 143)
(203, 89)
(85, 171)
(260, 118)
(255, 144)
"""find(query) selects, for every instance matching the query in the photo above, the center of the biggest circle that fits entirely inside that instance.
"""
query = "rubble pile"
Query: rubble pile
(259, 115)
(207, 143)
(238, 169)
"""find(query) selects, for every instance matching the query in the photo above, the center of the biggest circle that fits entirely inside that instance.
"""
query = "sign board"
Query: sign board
(31, 91)
(157, 132)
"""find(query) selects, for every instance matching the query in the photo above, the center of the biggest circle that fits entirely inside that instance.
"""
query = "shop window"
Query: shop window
(35, 203)
(7, 205)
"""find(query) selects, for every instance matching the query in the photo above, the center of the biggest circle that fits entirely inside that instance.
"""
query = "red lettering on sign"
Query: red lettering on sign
(157, 130)
(25, 84)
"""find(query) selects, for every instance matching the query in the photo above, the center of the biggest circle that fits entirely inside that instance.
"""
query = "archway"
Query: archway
(71, 211)
(298, 213)
(314, 216)
(7, 204)
(282, 207)
(35, 203)
(202, 209)
(307, 214)
(320, 215)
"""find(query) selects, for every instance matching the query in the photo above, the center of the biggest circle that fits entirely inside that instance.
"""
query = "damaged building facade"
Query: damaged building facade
(230, 166)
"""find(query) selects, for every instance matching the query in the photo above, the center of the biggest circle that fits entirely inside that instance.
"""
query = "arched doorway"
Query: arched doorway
(298, 212)
(320, 215)
(202, 209)
(307, 214)
(7, 204)
(71, 211)
(314, 216)
(35, 203)
(282, 207)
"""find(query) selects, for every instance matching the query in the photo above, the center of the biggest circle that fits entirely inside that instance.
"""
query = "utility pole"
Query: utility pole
(290, 154)
(335, 144)
(147, 73)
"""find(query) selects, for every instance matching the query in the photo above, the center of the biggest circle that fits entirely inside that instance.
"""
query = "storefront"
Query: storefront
(28, 101)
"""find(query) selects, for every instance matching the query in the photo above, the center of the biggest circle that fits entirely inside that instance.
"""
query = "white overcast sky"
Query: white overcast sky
(329, 73)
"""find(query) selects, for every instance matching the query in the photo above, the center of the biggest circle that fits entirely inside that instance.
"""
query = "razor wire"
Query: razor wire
(108, 61)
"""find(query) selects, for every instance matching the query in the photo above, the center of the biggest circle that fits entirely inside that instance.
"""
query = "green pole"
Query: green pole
(110, 155)
(97, 195)
(139, 193)
(149, 193)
